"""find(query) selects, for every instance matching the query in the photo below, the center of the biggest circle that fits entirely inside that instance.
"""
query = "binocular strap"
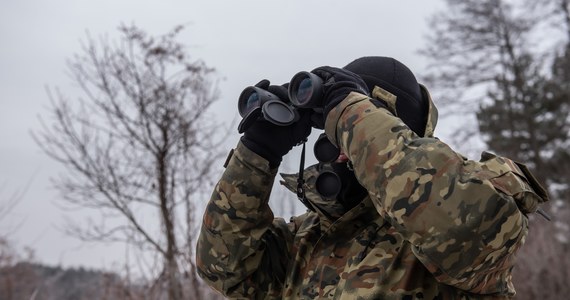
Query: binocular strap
(301, 181)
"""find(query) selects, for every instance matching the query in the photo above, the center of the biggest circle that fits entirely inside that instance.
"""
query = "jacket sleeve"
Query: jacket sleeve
(461, 217)
(242, 251)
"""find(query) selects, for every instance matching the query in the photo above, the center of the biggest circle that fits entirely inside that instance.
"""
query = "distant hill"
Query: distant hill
(29, 281)
(32, 281)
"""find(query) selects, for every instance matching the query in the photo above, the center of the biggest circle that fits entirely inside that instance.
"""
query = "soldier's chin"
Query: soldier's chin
(342, 158)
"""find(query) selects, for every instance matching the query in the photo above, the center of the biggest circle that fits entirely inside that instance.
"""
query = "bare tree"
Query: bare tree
(7, 204)
(139, 147)
(9, 254)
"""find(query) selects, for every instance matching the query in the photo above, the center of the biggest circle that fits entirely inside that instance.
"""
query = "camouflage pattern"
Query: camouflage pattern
(435, 225)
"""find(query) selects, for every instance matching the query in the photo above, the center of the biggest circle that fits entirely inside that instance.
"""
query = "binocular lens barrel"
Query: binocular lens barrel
(305, 90)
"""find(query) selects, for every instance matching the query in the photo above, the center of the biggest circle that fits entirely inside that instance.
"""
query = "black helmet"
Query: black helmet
(393, 76)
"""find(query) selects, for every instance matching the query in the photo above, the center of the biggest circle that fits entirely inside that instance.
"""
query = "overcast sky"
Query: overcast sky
(244, 40)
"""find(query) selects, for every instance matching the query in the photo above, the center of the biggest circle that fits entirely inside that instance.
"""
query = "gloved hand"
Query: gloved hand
(271, 141)
(337, 84)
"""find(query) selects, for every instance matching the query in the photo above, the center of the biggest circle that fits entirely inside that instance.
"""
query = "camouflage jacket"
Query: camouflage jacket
(434, 226)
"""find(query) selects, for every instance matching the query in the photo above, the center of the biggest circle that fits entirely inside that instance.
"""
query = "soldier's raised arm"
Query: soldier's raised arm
(242, 250)
(464, 219)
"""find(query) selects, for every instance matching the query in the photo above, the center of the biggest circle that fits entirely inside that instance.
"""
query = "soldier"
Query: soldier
(414, 219)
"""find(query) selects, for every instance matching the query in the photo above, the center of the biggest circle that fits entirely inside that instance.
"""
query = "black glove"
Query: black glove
(337, 84)
(271, 141)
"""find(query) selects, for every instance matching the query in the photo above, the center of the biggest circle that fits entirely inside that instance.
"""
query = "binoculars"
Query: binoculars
(305, 91)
